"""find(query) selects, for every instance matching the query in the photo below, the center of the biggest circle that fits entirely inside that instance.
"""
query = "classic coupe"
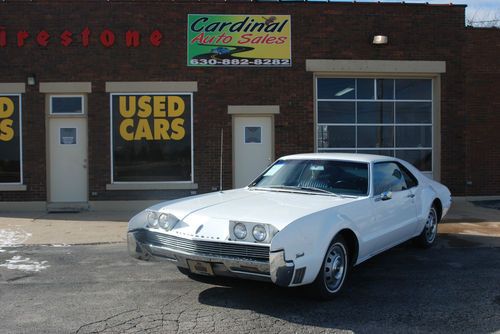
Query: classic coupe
(306, 220)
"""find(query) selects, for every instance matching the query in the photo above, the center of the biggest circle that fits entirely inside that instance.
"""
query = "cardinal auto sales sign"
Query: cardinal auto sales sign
(239, 40)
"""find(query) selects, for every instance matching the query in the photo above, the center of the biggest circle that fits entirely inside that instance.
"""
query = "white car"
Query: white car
(307, 219)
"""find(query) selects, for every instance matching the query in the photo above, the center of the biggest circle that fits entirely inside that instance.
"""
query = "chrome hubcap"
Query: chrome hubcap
(431, 226)
(335, 267)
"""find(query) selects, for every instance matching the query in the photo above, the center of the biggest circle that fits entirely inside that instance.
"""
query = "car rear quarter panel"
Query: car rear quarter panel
(427, 191)
(312, 234)
(425, 195)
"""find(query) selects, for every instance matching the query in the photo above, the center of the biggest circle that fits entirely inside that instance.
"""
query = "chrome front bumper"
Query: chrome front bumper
(277, 270)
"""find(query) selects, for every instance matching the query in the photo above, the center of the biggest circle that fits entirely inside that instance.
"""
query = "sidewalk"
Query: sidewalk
(470, 225)
(465, 225)
(41, 228)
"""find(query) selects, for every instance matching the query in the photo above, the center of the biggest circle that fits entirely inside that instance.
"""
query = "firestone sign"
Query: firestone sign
(107, 38)
(239, 40)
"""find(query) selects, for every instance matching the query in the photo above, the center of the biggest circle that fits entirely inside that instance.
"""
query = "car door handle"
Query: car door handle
(411, 195)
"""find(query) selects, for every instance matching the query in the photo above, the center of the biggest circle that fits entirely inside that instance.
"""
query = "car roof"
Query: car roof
(356, 157)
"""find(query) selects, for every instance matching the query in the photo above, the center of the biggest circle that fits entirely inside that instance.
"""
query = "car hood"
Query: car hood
(209, 215)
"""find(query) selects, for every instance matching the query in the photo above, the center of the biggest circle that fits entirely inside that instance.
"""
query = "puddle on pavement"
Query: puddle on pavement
(456, 241)
(489, 204)
(461, 220)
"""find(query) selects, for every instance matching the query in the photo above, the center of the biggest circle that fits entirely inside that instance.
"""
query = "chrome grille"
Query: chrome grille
(254, 252)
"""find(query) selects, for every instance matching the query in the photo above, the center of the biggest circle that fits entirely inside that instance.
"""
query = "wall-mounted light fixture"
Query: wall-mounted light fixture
(31, 80)
(380, 39)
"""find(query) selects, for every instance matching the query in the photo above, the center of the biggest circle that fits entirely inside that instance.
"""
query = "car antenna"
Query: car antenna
(221, 151)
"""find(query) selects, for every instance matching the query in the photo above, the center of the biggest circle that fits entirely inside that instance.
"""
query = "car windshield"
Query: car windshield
(319, 176)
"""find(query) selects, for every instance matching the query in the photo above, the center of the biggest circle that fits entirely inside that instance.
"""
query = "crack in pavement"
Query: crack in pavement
(99, 322)
(126, 321)
(179, 316)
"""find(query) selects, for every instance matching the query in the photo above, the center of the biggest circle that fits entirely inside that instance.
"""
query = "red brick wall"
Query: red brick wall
(319, 30)
(482, 100)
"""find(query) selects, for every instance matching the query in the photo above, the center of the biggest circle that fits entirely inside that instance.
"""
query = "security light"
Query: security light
(380, 39)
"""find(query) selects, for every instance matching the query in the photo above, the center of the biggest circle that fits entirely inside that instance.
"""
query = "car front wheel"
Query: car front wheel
(428, 236)
(334, 270)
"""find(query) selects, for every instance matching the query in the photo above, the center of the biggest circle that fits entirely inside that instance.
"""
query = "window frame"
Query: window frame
(394, 124)
(81, 96)
(21, 158)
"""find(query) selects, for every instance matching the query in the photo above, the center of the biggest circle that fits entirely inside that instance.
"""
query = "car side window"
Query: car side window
(411, 180)
(388, 177)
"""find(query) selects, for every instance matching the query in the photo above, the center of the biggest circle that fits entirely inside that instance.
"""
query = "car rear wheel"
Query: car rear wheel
(334, 270)
(428, 236)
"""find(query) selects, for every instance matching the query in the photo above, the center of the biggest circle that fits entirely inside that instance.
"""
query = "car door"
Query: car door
(393, 206)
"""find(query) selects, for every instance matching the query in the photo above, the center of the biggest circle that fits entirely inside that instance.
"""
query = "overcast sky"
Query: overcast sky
(477, 10)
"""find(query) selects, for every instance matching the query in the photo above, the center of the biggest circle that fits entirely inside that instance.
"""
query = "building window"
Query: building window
(10, 139)
(67, 136)
(151, 137)
(253, 134)
(66, 104)
(390, 117)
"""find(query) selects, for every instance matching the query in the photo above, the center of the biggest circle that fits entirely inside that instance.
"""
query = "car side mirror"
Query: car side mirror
(386, 195)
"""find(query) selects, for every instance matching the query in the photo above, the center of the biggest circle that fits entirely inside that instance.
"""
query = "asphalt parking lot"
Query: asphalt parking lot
(70, 273)
(100, 289)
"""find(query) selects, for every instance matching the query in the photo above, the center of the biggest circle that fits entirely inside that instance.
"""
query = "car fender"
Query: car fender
(306, 240)
(428, 191)
(444, 195)
(138, 221)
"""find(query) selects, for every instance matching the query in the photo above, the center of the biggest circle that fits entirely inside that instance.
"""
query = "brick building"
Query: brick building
(102, 102)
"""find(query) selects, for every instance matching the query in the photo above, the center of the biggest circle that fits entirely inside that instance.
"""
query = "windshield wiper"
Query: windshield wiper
(313, 189)
(324, 191)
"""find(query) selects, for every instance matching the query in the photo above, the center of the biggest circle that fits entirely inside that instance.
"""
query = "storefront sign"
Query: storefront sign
(151, 137)
(239, 40)
(10, 139)
(107, 38)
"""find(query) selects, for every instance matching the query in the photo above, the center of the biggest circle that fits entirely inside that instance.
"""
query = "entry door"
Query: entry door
(68, 159)
(252, 147)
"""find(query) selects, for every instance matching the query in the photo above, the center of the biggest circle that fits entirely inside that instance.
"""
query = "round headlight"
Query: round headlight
(259, 233)
(240, 231)
(163, 220)
(152, 219)
(167, 221)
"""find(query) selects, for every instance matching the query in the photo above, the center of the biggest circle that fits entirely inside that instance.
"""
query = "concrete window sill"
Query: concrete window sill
(12, 187)
(152, 186)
